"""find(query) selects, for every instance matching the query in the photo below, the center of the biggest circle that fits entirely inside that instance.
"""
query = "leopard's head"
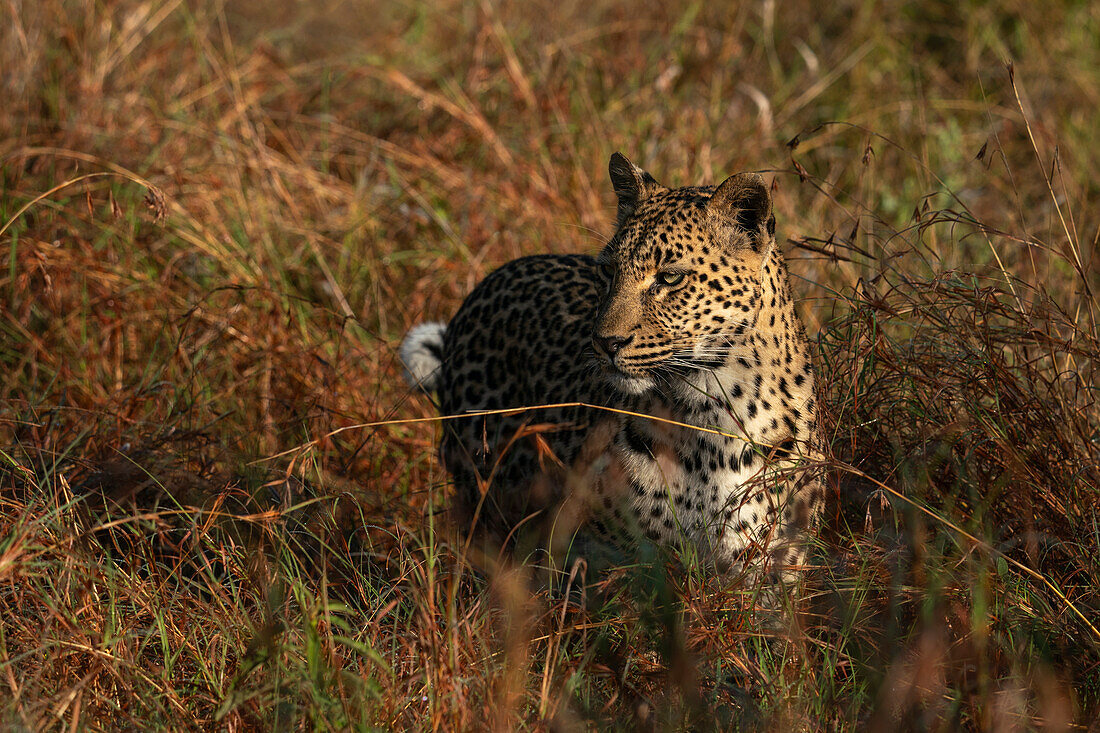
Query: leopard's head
(683, 275)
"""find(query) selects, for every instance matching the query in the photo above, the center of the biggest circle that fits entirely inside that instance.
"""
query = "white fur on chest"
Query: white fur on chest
(695, 486)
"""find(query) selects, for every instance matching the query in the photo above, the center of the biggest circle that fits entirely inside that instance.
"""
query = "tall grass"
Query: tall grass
(218, 220)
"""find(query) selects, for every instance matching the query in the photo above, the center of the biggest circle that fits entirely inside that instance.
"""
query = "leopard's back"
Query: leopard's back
(522, 338)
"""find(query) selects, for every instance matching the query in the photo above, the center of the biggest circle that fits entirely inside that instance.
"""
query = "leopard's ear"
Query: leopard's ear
(742, 205)
(632, 185)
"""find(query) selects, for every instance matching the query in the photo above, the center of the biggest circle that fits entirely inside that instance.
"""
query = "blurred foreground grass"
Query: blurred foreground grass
(218, 220)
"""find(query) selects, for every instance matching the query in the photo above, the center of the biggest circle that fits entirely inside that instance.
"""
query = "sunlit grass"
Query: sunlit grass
(218, 222)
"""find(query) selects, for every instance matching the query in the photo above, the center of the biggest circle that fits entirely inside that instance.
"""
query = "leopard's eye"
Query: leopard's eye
(607, 270)
(669, 279)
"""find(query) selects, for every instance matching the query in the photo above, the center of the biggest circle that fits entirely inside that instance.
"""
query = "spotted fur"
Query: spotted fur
(685, 316)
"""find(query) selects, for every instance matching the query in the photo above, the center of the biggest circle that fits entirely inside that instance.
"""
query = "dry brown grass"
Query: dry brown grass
(219, 221)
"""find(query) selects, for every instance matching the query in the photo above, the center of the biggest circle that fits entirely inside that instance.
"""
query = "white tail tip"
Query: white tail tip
(422, 355)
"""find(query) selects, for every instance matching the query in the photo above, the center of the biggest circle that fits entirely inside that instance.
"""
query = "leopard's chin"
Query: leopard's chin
(629, 384)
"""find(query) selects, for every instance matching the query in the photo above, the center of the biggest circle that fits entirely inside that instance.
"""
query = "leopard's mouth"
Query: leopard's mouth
(630, 385)
(626, 380)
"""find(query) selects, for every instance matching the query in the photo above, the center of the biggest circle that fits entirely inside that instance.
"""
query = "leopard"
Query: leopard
(657, 393)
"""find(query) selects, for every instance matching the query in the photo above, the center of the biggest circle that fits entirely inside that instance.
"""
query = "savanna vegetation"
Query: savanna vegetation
(218, 508)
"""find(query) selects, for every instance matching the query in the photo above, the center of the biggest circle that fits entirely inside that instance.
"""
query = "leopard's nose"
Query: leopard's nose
(611, 345)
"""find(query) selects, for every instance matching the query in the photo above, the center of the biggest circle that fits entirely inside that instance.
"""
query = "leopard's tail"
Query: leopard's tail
(422, 355)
